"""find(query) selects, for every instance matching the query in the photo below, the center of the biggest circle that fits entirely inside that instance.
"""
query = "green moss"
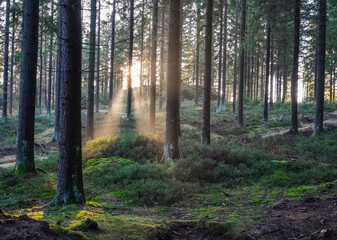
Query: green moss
(86, 225)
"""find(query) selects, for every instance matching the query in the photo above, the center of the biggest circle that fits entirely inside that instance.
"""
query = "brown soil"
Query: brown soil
(24, 228)
(309, 219)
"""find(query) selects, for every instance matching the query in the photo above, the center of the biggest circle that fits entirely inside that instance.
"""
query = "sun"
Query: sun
(135, 73)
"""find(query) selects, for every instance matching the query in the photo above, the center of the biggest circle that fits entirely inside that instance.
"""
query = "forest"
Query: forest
(168, 119)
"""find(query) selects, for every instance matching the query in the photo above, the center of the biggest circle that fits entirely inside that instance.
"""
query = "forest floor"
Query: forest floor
(256, 182)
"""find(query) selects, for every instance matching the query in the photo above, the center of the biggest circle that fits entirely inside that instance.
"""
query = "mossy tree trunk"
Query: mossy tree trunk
(171, 150)
(69, 182)
(25, 142)
(206, 128)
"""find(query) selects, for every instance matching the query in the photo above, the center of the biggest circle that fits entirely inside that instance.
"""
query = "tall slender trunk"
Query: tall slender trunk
(235, 53)
(6, 53)
(171, 148)
(242, 63)
(271, 99)
(129, 97)
(285, 73)
(41, 68)
(69, 181)
(50, 63)
(266, 87)
(206, 128)
(98, 55)
(12, 65)
(25, 138)
(318, 128)
(224, 71)
(112, 53)
(257, 77)
(141, 80)
(294, 80)
(57, 83)
(218, 109)
(197, 53)
(162, 54)
(153, 66)
(262, 78)
(91, 78)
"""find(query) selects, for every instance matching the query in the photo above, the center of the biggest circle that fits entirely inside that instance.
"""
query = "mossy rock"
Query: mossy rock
(86, 225)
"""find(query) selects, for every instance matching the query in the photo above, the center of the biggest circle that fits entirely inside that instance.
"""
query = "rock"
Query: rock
(86, 225)
(285, 119)
(186, 127)
(304, 118)
(326, 234)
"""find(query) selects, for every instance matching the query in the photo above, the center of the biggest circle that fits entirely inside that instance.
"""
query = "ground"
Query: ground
(256, 182)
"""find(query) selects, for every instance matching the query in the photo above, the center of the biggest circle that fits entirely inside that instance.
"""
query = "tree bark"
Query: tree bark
(294, 80)
(98, 55)
(91, 78)
(112, 54)
(197, 52)
(129, 95)
(285, 73)
(271, 99)
(219, 97)
(162, 54)
(12, 65)
(206, 128)
(69, 181)
(25, 138)
(6, 54)
(242, 63)
(153, 66)
(266, 87)
(50, 63)
(318, 128)
(171, 148)
(224, 71)
(235, 54)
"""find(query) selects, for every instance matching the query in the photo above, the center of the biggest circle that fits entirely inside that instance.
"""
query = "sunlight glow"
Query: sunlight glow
(135, 72)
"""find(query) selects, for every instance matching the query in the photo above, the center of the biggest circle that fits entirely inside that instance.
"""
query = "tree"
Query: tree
(162, 54)
(129, 95)
(235, 54)
(206, 129)
(98, 55)
(25, 142)
(294, 80)
(318, 128)
(242, 63)
(266, 87)
(12, 63)
(92, 46)
(50, 63)
(69, 181)
(171, 148)
(153, 66)
(219, 99)
(112, 52)
(224, 72)
(197, 53)
(5, 82)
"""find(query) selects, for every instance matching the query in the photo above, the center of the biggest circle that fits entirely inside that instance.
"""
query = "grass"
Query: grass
(132, 194)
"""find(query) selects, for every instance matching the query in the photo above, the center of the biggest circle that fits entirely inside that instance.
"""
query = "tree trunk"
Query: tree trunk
(171, 150)
(162, 54)
(206, 128)
(224, 71)
(12, 65)
(41, 69)
(271, 99)
(25, 139)
(153, 66)
(320, 68)
(69, 181)
(112, 54)
(242, 63)
(285, 73)
(197, 52)
(141, 81)
(219, 98)
(235, 53)
(294, 79)
(91, 78)
(57, 83)
(50, 63)
(266, 87)
(98, 55)
(129, 97)
(6, 53)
